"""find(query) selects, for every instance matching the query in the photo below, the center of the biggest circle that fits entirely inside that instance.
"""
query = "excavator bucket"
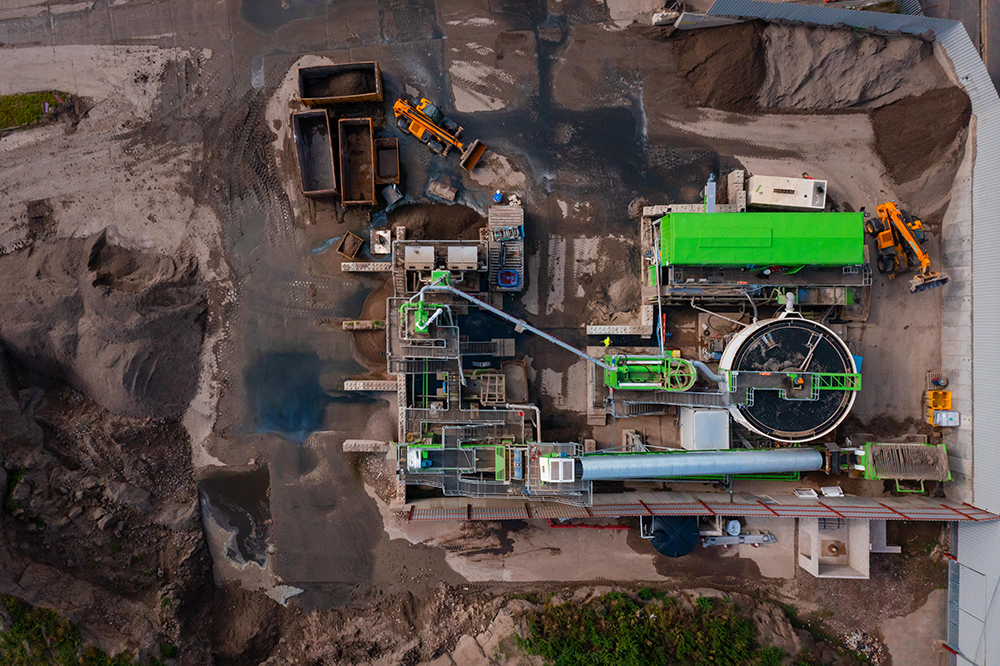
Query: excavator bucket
(472, 154)
(925, 281)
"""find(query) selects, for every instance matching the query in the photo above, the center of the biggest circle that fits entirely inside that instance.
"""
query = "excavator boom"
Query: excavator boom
(426, 122)
(899, 236)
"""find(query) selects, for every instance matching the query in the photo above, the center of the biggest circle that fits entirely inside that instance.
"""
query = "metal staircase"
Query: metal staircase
(683, 399)
(413, 366)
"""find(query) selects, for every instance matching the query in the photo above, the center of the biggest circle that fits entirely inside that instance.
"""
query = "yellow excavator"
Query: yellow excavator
(899, 236)
(426, 122)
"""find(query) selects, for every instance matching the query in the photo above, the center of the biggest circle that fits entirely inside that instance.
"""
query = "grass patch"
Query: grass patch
(616, 630)
(14, 477)
(28, 108)
(32, 636)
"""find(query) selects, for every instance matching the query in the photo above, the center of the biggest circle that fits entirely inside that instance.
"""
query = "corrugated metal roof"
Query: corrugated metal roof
(978, 600)
(911, 7)
(698, 504)
(506, 216)
(775, 11)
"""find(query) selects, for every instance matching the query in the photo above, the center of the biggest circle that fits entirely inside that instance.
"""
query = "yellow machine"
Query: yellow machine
(426, 122)
(899, 236)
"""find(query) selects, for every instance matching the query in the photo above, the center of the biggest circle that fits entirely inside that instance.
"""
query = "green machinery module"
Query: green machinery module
(649, 373)
(762, 239)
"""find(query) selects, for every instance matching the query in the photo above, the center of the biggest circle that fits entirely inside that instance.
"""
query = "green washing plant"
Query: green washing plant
(616, 630)
(27, 108)
(40, 637)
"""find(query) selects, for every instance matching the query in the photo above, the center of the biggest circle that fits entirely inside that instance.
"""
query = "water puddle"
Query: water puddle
(238, 502)
(268, 16)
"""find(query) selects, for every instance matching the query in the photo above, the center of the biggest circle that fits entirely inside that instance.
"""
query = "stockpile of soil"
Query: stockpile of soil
(725, 65)
(101, 521)
(123, 327)
(915, 133)
(356, 82)
(356, 150)
(437, 221)
(823, 69)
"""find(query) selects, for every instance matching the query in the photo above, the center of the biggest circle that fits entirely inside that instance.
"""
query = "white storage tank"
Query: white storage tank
(778, 193)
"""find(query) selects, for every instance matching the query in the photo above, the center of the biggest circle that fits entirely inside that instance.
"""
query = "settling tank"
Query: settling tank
(790, 379)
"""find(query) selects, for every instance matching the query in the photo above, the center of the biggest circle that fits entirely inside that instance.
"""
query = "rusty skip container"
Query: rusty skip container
(315, 145)
(386, 161)
(357, 161)
(338, 84)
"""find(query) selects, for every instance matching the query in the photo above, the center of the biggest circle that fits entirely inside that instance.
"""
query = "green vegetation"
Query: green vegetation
(27, 108)
(169, 651)
(615, 629)
(39, 637)
(804, 658)
(14, 477)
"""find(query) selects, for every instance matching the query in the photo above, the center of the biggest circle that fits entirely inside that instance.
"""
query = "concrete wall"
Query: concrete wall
(815, 557)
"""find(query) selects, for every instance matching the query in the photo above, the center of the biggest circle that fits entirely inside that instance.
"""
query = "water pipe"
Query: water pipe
(518, 323)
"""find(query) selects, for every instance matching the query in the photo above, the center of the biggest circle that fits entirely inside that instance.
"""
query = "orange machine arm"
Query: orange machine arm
(890, 215)
(404, 108)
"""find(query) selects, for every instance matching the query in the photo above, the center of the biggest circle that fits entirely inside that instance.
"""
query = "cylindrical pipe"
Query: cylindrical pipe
(707, 371)
(696, 463)
(517, 322)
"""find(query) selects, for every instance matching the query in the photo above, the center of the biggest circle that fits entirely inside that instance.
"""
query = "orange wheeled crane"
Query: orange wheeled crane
(899, 237)
(425, 121)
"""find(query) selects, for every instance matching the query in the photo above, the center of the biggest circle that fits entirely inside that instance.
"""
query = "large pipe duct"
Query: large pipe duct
(707, 371)
(696, 463)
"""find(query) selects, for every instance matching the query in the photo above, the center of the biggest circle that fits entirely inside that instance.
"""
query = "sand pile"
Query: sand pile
(725, 66)
(121, 326)
(745, 67)
(818, 68)
(357, 82)
(423, 221)
(921, 140)
(915, 133)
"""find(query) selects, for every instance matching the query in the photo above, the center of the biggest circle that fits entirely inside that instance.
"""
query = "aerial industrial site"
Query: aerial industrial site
(482, 332)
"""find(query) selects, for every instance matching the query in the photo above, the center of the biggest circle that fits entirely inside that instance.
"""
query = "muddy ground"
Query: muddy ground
(172, 302)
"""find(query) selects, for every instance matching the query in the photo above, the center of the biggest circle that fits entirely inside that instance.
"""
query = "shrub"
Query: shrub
(40, 637)
(615, 629)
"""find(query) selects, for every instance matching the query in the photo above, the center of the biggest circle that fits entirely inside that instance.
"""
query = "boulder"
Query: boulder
(178, 516)
(128, 495)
